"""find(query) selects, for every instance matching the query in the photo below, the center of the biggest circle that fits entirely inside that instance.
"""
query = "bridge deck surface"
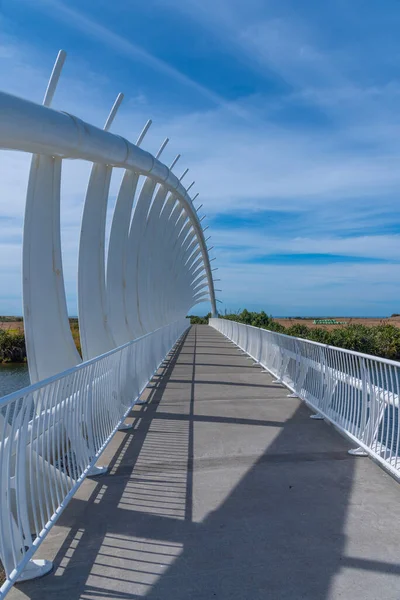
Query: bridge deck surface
(226, 489)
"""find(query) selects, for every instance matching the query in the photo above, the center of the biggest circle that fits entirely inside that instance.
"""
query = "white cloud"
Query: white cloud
(90, 27)
(240, 165)
(248, 244)
(291, 290)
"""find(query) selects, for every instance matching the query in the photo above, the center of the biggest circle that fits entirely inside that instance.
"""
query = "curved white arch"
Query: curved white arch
(165, 248)
(117, 257)
(45, 309)
(96, 336)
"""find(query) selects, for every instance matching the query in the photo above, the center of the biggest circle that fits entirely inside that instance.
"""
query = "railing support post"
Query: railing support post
(364, 404)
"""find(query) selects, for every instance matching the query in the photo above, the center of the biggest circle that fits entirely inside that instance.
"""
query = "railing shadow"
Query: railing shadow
(130, 484)
(277, 525)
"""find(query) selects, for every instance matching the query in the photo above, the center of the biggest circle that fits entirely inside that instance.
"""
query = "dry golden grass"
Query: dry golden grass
(12, 325)
(17, 326)
(369, 322)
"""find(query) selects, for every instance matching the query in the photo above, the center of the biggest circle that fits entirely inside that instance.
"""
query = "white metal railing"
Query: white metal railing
(356, 392)
(53, 432)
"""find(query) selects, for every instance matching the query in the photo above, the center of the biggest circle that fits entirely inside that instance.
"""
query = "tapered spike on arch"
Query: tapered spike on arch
(113, 111)
(202, 218)
(205, 228)
(211, 259)
(209, 238)
(54, 77)
(215, 269)
(210, 248)
(195, 196)
(143, 132)
(198, 208)
(161, 150)
(177, 157)
(110, 150)
(183, 174)
(190, 186)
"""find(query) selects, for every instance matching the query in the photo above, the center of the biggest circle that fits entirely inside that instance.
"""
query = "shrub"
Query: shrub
(301, 331)
(74, 325)
(379, 340)
(12, 346)
(195, 320)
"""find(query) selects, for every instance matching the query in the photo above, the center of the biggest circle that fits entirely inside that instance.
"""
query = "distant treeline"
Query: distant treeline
(8, 319)
(377, 340)
(195, 320)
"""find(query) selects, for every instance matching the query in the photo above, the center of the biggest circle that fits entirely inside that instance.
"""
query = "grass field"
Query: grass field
(379, 337)
(12, 326)
(374, 336)
(368, 322)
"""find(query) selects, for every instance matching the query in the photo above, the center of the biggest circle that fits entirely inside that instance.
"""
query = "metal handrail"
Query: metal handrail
(338, 348)
(52, 434)
(358, 393)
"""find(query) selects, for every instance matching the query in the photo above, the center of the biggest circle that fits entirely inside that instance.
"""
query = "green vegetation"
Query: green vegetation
(10, 319)
(194, 320)
(12, 346)
(74, 324)
(12, 342)
(378, 340)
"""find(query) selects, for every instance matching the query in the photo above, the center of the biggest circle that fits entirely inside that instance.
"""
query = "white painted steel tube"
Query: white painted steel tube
(158, 267)
(33, 128)
(358, 393)
(43, 456)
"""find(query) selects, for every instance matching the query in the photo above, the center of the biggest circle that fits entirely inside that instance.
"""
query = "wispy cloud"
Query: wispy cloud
(313, 174)
(88, 26)
(250, 244)
(341, 289)
(278, 39)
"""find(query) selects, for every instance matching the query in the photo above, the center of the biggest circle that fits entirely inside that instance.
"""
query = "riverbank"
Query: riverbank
(12, 339)
(12, 346)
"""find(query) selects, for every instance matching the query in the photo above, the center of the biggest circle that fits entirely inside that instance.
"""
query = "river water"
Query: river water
(13, 376)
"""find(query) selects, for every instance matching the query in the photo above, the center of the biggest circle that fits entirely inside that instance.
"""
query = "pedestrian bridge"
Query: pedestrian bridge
(171, 461)
(225, 488)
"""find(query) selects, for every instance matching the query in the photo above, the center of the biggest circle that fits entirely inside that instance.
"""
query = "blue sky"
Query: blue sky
(287, 113)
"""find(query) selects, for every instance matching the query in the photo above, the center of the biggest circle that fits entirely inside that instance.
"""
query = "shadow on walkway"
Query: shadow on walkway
(226, 491)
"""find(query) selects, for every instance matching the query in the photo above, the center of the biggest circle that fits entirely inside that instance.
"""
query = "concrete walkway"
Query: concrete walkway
(226, 489)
